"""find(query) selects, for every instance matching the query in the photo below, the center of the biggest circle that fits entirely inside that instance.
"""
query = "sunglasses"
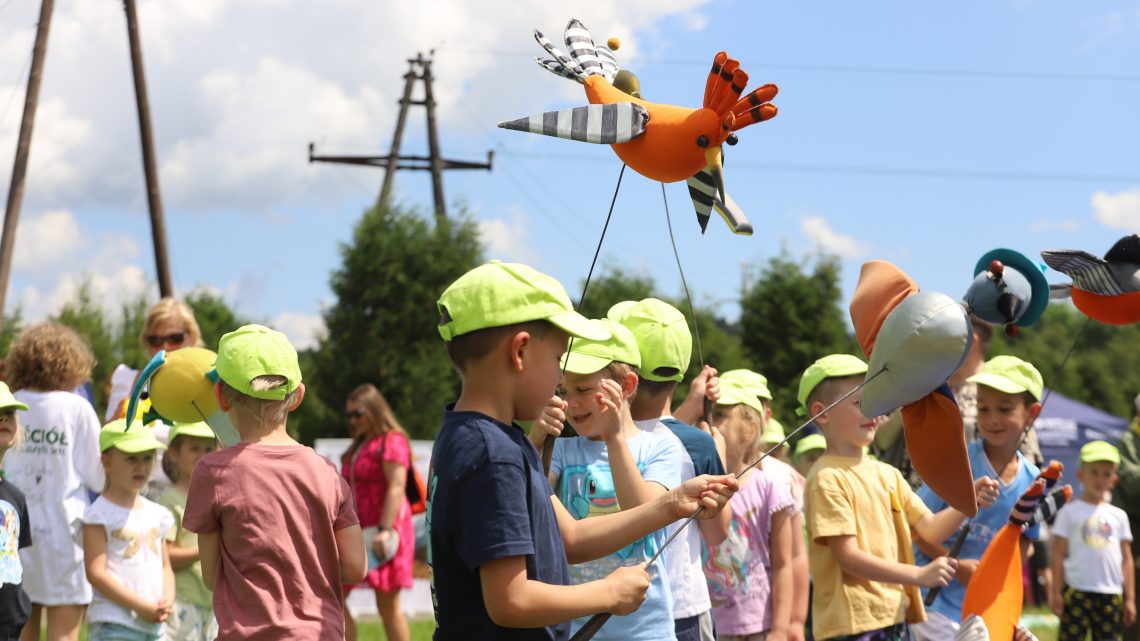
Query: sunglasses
(176, 338)
(354, 414)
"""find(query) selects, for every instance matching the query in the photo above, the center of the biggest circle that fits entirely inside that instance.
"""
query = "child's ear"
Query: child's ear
(520, 342)
(1034, 411)
(628, 385)
(221, 398)
(300, 397)
(816, 408)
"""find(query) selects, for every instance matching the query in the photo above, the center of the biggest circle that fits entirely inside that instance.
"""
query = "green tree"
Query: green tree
(13, 325)
(382, 328)
(88, 318)
(791, 316)
(215, 317)
(129, 349)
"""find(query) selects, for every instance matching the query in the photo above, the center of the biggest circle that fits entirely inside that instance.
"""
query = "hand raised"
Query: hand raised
(707, 491)
(609, 401)
(549, 422)
(986, 490)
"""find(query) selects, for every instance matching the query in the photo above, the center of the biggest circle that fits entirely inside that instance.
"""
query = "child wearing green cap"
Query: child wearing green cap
(192, 618)
(14, 603)
(860, 515)
(499, 539)
(750, 574)
(1008, 401)
(1093, 569)
(277, 532)
(125, 542)
(612, 465)
(808, 451)
(666, 347)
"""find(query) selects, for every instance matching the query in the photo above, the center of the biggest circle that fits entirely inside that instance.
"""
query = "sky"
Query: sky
(924, 134)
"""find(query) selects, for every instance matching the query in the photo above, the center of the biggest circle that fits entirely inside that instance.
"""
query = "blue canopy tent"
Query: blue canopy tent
(1065, 425)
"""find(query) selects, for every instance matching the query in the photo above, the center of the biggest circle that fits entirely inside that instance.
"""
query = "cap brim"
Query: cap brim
(14, 405)
(578, 326)
(1000, 383)
(583, 364)
(196, 432)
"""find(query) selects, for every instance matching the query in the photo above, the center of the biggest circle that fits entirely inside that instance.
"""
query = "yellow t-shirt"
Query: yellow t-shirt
(869, 500)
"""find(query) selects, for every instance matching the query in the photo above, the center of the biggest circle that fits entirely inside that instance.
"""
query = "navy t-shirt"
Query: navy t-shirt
(699, 445)
(487, 499)
(15, 533)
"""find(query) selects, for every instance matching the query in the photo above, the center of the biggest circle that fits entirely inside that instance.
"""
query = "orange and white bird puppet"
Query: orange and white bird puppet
(991, 609)
(662, 142)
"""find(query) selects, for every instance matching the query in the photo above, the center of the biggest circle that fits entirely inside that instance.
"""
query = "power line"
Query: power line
(1010, 74)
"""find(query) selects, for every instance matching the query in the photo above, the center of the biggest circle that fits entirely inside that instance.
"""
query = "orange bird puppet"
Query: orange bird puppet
(661, 142)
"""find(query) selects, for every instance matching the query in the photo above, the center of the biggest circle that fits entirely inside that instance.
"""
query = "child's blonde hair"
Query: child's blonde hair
(50, 357)
(267, 412)
(752, 416)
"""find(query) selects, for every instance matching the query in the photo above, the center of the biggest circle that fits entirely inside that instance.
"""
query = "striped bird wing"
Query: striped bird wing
(581, 46)
(609, 124)
(568, 63)
(558, 69)
(702, 191)
(1089, 273)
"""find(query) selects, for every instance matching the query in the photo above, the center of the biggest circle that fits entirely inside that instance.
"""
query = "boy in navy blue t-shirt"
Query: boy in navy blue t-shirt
(499, 541)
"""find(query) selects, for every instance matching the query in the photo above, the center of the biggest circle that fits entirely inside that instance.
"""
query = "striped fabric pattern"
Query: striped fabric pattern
(1089, 273)
(1051, 504)
(580, 44)
(559, 55)
(609, 63)
(1027, 504)
(556, 68)
(702, 191)
(599, 124)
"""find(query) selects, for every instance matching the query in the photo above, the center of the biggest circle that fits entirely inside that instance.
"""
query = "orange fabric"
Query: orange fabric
(1122, 309)
(755, 107)
(730, 94)
(881, 287)
(995, 590)
(936, 442)
(714, 78)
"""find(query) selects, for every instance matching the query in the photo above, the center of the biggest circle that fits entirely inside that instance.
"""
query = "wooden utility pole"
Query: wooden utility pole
(23, 148)
(393, 161)
(153, 197)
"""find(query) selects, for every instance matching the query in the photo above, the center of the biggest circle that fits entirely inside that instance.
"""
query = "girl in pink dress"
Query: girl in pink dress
(376, 468)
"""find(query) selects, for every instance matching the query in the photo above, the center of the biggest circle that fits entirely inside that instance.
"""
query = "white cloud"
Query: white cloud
(819, 231)
(1118, 211)
(303, 330)
(44, 240)
(1043, 226)
(506, 239)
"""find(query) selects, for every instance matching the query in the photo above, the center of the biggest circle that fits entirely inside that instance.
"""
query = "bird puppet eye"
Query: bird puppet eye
(731, 140)
(702, 141)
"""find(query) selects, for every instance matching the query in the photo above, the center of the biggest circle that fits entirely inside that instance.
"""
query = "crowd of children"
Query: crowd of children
(257, 540)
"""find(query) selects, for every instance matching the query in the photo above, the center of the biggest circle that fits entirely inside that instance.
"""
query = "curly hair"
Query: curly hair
(49, 357)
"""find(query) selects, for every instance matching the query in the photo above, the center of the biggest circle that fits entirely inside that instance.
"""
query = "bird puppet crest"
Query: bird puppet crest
(662, 142)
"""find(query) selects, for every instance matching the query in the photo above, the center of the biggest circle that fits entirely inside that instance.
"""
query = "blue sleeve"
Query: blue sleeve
(699, 445)
(663, 462)
(932, 500)
(558, 459)
(493, 520)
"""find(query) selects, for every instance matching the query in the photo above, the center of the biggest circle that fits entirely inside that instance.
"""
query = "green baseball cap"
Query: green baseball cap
(1011, 375)
(499, 294)
(587, 356)
(1094, 451)
(9, 402)
(251, 351)
(197, 429)
(132, 441)
(809, 443)
(662, 334)
(773, 432)
(830, 366)
(733, 392)
(756, 383)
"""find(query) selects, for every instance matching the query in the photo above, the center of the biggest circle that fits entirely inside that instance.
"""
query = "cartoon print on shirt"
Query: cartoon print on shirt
(11, 570)
(149, 540)
(727, 570)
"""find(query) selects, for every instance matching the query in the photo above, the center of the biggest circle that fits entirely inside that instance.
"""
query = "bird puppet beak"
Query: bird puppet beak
(713, 157)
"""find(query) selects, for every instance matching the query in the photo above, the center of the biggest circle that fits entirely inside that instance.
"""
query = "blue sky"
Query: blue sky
(924, 134)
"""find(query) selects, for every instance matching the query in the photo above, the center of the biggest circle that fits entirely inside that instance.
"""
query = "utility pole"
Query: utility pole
(23, 148)
(153, 197)
(419, 68)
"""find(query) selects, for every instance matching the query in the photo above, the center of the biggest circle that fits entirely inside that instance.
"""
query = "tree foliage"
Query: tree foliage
(382, 328)
(214, 316)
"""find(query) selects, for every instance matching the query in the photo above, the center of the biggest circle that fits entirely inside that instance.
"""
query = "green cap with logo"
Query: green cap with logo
(588, 356)
(746, 378)
(1011, 375)
(8, 403)
(773, 432)
(499, 294)
(1095, 451)
(197, 429)
(662, 334)
(132, 441)
(733, 392)
(252, 351)
(831, 366)
(809, 443)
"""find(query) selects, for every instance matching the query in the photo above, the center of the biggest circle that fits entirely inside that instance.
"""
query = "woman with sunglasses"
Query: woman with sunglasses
(376, 468)
(169, 325)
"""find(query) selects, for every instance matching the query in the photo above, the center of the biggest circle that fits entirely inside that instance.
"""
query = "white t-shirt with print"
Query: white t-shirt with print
(57, 467)
(135, 539)
(1094, 534)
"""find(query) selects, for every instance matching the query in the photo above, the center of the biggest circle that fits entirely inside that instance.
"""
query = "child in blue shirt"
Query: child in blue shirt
(1009, 400)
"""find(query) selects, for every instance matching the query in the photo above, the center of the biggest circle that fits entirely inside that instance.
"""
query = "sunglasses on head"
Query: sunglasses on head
(354, 414)
(176, 338)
